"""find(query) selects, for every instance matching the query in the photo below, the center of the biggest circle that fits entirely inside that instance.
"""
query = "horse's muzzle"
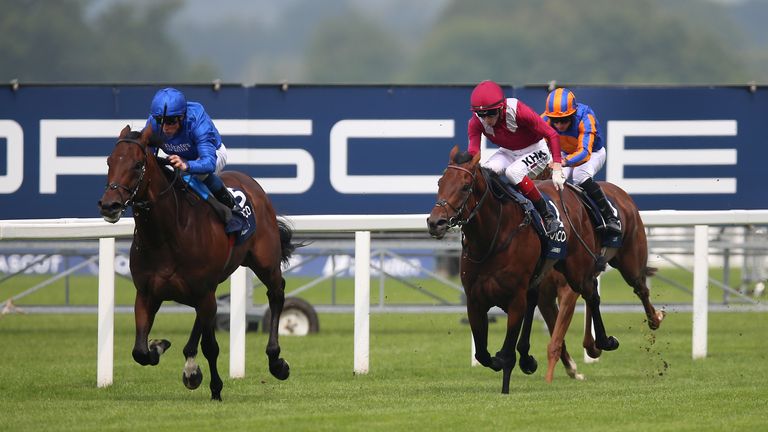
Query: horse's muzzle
(438, 226)
(111, 211)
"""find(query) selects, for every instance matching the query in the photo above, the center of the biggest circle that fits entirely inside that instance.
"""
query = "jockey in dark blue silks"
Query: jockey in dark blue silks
(191, 140)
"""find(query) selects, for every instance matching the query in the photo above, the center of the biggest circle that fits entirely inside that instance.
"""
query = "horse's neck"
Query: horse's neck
(161, 218)
(492, 214)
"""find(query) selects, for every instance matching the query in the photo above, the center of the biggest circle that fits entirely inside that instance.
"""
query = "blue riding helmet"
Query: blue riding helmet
(169, 102)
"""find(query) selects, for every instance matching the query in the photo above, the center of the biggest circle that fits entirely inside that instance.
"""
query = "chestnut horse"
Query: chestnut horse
(501, 258)
(180, 252)
(630, 259)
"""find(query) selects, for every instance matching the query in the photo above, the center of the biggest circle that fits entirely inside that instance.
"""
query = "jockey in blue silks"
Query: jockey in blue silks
(191, 140)
(582, 145)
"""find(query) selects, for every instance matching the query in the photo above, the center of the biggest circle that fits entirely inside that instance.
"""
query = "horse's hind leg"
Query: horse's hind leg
(192, 376)
(147, 352)
(275, 283)
(637, 280)
(206, 315)
(632, 263)
(527, 362)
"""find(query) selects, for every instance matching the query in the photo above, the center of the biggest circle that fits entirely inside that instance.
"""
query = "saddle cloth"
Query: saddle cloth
(240, 222)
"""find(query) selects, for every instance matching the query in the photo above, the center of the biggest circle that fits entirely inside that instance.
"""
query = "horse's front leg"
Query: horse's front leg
(589, 339)
(192, 376)
(505, 358)
(206, 317)
(278, 367)
(147, 352)
(478, 322)
(528, 363)
(556, 347)
(602, 340)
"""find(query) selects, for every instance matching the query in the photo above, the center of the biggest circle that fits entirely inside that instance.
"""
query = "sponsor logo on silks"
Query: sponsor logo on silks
(556, 247)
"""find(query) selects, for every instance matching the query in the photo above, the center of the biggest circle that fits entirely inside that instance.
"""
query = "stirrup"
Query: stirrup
(613, 225)
(551, 225)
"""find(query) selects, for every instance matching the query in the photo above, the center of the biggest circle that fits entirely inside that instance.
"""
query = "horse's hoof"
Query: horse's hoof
(194, 380)
(159, 345)
(655, 323)
(611, 343)
(484, 359)
(498, 363)
(216, 396)
(280, 369)
(528, 364)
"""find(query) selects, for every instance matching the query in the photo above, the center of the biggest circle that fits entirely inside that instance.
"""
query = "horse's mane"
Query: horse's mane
(155, 141)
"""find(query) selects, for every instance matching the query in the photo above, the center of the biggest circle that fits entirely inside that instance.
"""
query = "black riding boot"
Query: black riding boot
(551, 224)
(596, 193)
(225, 197)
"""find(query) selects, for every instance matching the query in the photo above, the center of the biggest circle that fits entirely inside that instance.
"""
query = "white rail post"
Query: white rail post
(700, 291)
(362, 300)
(106, 312)
(237, 306)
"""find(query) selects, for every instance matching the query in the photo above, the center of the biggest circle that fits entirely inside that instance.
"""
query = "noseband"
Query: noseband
(457, 220)
(131, 191)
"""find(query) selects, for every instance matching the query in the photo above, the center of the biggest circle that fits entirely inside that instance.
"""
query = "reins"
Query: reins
(573, 228)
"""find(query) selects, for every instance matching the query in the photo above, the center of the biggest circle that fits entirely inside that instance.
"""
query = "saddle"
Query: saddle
(239, 224)
(554, 246)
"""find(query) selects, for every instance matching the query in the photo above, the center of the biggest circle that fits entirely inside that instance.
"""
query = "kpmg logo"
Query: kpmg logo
(55, 133)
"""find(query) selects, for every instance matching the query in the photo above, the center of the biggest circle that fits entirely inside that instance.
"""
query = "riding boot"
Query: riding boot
(219, 190)
(551, 224)
(225, 197)
(598, 196)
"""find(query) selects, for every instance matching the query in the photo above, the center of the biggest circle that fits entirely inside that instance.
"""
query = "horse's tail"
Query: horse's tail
(286, 235)
(650, 271)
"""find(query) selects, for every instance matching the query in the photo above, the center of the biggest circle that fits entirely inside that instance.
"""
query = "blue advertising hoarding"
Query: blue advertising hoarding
(376, 149)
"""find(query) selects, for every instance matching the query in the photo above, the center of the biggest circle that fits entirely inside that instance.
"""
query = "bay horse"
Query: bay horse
(630, 259)
(180, 252)
(500, 260)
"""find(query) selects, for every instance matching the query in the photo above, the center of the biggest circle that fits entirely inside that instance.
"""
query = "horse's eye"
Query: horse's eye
(466, 187)
(139, 165)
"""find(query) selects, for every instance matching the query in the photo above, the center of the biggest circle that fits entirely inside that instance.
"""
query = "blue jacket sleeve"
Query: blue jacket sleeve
(205, 140)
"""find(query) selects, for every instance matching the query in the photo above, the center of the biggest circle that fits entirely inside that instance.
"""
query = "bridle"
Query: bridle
(131, 191)
(456, 220)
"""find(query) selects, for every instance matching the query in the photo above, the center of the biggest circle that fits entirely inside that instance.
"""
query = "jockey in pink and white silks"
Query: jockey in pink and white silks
(582, 145)
(527, 144)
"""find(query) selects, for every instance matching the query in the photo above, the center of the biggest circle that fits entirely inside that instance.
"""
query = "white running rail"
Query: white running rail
(362, 225)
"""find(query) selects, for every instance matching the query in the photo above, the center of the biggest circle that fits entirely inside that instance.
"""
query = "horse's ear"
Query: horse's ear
(126, 130)
(476, 159)
(454, 150)
(146, 134)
